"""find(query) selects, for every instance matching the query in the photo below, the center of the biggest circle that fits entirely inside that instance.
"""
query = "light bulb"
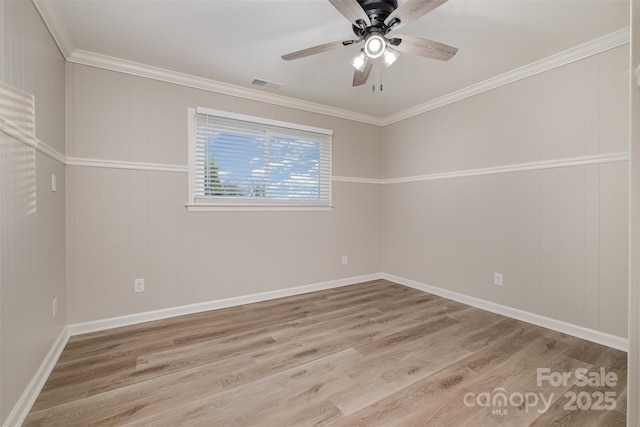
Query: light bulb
(374, 46)
(359, 61)
(389, 56)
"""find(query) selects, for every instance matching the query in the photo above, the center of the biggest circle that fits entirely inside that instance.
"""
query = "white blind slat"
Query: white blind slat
(239, 161)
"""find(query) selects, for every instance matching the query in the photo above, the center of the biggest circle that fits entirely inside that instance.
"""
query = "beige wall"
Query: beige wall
(127, 224)
(32, 217)
(558, 235)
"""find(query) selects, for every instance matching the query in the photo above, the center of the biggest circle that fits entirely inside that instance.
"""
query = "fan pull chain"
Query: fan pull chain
(373, 80)
(373, 86)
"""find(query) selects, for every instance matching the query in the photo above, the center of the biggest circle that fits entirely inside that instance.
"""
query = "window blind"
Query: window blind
(240, 161)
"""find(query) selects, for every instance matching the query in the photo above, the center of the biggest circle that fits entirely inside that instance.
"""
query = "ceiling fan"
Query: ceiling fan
(371, 21)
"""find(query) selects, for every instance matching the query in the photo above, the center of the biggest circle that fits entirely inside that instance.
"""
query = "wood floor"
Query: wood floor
(375, 353)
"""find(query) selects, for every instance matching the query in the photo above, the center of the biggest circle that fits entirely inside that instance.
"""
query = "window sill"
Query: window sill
(254, 208)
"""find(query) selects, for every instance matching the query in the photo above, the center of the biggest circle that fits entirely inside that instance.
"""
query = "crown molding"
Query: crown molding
(54, 22)
(58, 30)
(129, 67)
(582, 51)
(593, 47)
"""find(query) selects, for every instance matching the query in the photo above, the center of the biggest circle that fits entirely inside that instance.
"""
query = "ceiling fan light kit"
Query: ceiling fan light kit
(374, 45)
(359, 61)
(371, 21)
(389, 57)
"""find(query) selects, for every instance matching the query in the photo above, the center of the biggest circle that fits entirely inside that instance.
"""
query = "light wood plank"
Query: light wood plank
(376, 353)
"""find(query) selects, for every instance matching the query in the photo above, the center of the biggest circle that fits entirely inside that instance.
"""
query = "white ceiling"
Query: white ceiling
(235, 41)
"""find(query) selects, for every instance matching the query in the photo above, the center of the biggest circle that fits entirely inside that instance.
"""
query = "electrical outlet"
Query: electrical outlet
(345, 260)
(138, 285)
(54, 307)
(497, 279)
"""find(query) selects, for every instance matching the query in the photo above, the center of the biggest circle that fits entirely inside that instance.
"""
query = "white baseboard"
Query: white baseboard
(598, 337)
(31, 392)
(603, 338)
(132, 319)
(29, 396)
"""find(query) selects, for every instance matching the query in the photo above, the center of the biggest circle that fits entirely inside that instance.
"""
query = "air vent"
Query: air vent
(266, 83)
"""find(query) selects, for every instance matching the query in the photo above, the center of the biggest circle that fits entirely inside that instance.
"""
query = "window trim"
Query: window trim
(218, 206)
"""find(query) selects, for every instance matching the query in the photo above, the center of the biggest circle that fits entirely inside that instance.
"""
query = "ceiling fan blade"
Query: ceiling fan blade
(426, 48)
(351, 10)
(411, 10)
(361, 77)
(312, 50)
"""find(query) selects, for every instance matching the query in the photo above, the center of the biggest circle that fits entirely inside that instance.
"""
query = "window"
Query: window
(239, 162)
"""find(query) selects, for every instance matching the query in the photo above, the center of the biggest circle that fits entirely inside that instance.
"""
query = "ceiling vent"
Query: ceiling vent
(266, 83)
